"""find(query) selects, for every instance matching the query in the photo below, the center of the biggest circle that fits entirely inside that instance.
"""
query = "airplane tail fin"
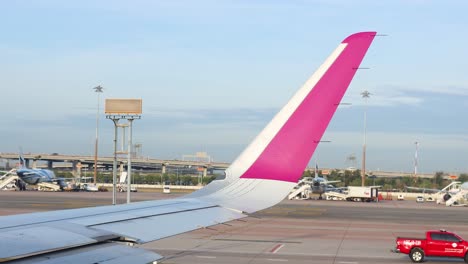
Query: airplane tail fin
(284, 148)
(273, 163)
(21, 160)
(316, 171)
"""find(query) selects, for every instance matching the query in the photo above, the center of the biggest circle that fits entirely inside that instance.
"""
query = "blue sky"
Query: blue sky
(213, 73)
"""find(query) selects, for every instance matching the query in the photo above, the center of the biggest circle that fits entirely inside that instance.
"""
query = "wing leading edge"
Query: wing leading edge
(259, 178)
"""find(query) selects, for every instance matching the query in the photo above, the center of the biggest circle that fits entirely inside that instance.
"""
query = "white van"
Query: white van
(166, 189)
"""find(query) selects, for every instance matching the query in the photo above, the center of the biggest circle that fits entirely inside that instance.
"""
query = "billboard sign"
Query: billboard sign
(123, 106)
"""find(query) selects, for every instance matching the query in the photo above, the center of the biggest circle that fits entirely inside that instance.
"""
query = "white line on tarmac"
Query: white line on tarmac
(206, 257)
(348, 262)
(201, 250)
(282, 260)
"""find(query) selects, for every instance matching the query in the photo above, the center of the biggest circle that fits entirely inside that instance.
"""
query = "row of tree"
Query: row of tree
(151, 178)
(346, 178)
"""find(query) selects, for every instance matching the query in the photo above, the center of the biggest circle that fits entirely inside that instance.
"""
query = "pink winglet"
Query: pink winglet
(290, 150)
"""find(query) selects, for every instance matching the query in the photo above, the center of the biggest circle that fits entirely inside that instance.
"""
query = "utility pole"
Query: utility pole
(365, 94)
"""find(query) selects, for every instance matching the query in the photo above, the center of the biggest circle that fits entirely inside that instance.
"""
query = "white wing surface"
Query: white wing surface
(259, 178)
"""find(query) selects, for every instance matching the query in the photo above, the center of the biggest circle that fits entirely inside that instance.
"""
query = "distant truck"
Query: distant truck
(362, 194)
(437, 244)
(355, 193)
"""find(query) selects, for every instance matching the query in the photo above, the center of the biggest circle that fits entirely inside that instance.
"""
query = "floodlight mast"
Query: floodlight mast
(98, 89)
(365, 94)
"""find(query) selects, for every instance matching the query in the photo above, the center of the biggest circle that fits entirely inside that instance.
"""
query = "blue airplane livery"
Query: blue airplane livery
(35, 176)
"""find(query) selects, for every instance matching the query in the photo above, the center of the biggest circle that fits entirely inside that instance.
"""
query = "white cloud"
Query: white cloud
(397, 95)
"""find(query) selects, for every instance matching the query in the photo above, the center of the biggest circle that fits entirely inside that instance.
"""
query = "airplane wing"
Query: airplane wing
(422, 189)
(328, 182)
(29, 173)
(259, 178)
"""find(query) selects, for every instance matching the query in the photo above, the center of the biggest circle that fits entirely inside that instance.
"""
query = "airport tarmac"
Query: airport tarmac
(293, 231)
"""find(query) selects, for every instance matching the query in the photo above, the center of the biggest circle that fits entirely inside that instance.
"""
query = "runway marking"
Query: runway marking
(257, 240)
(279, 260)
(276, 248)
(206, 257)
(348, 262)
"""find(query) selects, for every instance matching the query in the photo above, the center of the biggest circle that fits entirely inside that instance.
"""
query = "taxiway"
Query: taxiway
(292, 232)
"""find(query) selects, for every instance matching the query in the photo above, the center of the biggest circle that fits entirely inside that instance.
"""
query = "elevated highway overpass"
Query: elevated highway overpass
(78, 161)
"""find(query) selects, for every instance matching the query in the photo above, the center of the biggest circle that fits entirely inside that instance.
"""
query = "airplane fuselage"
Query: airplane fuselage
(35, 176)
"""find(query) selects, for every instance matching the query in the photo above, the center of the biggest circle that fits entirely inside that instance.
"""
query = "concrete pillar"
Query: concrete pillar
(50, 164)
(27, 163)
(205, 169)
(163, 168)
(76, 168)
(34, 165)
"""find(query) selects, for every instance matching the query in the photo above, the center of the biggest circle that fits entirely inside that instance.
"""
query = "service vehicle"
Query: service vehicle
(362, 194)
(166, 189)
(355, 193)
(420, 199)
(89, 187)
(123, 188)
(438, 243)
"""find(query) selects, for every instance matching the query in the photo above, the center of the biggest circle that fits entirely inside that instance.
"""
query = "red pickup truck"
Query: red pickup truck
(437, 244)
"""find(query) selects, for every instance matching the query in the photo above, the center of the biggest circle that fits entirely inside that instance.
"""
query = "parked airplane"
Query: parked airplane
(36, 176)
(320, 185)
(259, 178)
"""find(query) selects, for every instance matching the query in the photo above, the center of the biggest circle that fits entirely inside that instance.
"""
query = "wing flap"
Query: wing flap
(152, 228)
(24, 242)
(154, 208)
(107, 253)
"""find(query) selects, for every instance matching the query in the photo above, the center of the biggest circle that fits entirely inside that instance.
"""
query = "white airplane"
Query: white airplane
(319, 185)
(259, 178)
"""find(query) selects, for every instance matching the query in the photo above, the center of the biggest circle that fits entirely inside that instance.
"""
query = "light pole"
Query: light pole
(416, 161)
(98, 89)
(365, 94)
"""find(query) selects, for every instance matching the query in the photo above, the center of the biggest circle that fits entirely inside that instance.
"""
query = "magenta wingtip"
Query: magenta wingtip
(359, 35)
